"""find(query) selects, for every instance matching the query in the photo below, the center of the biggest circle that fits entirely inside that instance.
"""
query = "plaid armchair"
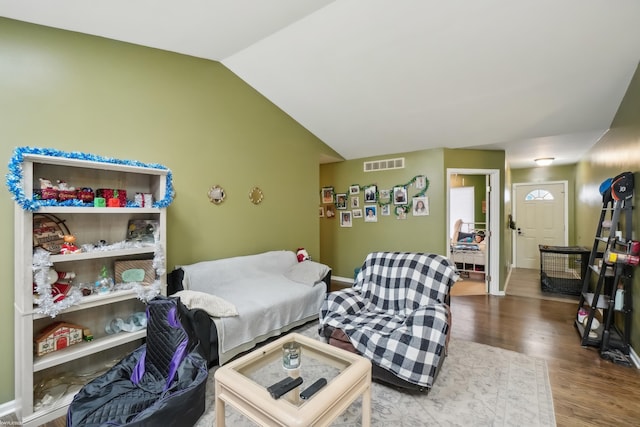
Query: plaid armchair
(396, 314)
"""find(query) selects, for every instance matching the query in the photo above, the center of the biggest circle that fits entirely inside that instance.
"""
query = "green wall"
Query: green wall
(345, 248)
(74, 92)
(618, 151)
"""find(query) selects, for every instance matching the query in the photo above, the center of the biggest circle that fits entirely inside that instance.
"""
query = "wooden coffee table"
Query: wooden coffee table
(243, 384)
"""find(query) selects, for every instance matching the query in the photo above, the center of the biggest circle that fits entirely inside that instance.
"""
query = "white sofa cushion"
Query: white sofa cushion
(214, 305)
(307, 272)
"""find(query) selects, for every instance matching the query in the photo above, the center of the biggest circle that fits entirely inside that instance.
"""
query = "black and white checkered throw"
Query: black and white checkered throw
(395, 313)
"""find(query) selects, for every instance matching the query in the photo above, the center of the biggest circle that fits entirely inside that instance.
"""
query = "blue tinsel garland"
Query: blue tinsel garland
(15, 177)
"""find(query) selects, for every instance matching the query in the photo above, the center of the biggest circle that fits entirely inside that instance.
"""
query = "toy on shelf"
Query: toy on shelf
(105, 283)
(57, 336)
(60, 282)
(87, 335)
(61, 192)
(69, 245)
(86, 194)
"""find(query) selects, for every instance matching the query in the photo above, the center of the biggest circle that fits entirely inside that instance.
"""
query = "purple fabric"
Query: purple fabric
(181, 350)
(138, 371)
(176, 360)
(172, 317)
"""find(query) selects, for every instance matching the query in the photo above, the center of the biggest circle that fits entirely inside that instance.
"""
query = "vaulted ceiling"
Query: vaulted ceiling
(537, 78)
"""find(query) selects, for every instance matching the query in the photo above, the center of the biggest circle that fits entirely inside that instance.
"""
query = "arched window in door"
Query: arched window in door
(539, 195)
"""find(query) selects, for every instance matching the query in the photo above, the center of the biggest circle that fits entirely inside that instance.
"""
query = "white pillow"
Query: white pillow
(214, 305)
(307, 272)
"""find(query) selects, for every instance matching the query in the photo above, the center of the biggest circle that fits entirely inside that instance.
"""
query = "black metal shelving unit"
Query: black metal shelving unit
(604, 279)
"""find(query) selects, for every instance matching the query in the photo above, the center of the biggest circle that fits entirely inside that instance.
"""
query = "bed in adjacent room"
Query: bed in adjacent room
(468, 248)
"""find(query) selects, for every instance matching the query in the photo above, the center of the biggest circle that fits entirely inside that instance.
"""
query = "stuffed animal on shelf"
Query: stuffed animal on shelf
(62, 185)
(302, 255)
(69, 245)
(60, 282)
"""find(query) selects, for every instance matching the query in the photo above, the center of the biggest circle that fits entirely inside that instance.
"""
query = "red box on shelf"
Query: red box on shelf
(48, 193)
(86, 195)
(67, 195)
(113, 193)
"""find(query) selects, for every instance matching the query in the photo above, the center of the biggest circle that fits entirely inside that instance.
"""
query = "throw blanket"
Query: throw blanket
(267, 301)
(395, 313)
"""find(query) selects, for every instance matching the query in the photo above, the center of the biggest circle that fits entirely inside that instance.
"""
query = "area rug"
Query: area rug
(478, 385)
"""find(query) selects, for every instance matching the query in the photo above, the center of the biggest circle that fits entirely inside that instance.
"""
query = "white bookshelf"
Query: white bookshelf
(89, 225)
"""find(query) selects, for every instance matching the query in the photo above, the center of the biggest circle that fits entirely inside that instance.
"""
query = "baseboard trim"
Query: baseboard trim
(8, 408)
(634, 357)
(342, 279)
(507, 279)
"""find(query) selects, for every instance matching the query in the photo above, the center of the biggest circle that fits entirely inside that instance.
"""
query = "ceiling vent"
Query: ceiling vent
(381, 165)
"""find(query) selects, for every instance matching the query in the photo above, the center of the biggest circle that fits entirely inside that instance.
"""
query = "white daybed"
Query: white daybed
(469, 255)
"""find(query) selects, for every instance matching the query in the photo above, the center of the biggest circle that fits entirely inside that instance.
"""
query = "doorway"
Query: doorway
(540, 213)
(489, 202)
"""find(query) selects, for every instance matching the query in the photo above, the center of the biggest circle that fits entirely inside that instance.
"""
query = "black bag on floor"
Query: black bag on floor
(163, 382)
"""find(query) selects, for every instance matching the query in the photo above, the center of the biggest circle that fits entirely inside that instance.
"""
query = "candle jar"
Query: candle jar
(291, 355)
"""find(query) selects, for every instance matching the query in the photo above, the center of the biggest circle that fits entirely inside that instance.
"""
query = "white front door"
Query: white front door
(540, 220)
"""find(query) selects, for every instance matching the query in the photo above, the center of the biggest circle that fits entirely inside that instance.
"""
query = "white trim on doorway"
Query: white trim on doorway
(494, 221)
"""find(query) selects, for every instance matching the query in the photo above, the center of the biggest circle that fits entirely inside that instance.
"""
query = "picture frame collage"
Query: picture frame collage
(369, 202)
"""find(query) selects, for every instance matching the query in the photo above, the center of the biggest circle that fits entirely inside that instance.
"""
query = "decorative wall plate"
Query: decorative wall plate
(216, 194)
(256, 196)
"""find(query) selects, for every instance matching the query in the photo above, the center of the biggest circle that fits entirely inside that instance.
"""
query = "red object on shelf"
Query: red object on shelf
(67, 195)
(48, 193)
(113, 193)
(86, 195)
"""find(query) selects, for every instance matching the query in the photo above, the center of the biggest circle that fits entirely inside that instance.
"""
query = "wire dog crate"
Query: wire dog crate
(563, 268)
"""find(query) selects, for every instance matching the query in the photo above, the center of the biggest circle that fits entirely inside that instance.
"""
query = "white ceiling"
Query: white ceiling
(536, 78)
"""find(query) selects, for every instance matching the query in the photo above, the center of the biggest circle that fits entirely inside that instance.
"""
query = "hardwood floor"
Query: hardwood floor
(469, 287)
(525, 282)
(587, 390)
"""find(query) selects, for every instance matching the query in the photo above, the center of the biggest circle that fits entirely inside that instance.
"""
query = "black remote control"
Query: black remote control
(279, 384)
(283, 387)
(313, 389)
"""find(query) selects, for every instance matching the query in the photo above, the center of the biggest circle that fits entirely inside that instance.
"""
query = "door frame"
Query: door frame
(493, 225)
(514, 204)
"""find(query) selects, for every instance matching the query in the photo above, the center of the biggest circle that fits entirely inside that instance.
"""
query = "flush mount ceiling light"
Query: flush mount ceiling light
(544, 161)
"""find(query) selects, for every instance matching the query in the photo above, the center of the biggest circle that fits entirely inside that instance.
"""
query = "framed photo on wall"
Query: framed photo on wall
(399, 196)
(370, 194)
(354, 189)
(341, 201)
(327, 195)
(420, 206)
(330, 211)
(345, 219)
(371, 214)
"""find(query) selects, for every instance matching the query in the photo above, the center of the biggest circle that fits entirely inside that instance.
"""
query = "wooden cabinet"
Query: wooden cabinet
(45, 385)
